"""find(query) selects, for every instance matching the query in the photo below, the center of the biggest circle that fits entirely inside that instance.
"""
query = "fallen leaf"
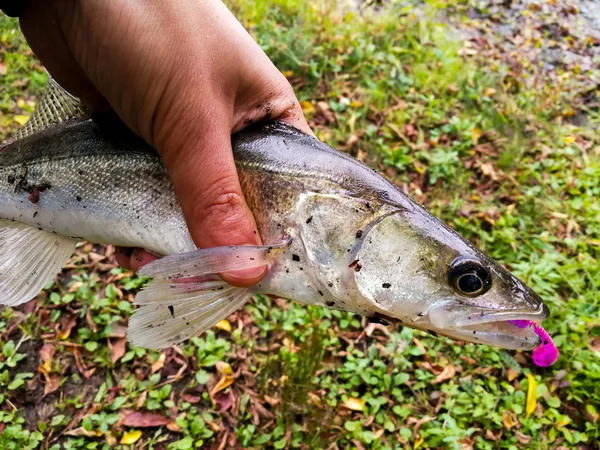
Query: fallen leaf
(117, 348)
(66, 325)
(21, 119)
(224, 368)
(141, 419)
(159, 363)
(173, 426)
(307, 107)
(522, 438)
(475, 135)
(512, 374)
(131, 437)
(223, 383)
(111, 439)
(531, 397)
(419, 442)
(52, 383)
(508, 420)
(569, 139)
(354, 404)
(356, 104)
(3, 68)
(223, 325)
(287, 73)
(83, 432)
(448, 373)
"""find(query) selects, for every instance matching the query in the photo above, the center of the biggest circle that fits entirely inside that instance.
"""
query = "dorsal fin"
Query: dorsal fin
(54, 106)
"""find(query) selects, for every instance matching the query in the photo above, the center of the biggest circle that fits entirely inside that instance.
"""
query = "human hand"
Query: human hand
(182, 75)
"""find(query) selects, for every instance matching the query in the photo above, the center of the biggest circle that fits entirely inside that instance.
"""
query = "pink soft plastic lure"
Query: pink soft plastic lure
(546, 353)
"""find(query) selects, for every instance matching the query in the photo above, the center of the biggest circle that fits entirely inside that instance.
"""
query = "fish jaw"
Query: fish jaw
(487, 326)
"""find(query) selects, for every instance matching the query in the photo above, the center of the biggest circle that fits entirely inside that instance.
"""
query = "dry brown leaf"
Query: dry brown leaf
(83, 432)
(159, 363)
(140, 419)
(448, 373)
(223, 383)
(3, 68)
(508, 419)
(117, 348)
(522, 438)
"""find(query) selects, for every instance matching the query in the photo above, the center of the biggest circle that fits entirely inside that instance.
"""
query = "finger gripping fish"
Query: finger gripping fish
(337, 233)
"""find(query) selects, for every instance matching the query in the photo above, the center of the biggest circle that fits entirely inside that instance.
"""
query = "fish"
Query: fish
(337, 233)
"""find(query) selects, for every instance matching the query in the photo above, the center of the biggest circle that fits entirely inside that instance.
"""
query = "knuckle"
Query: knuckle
(225, 207)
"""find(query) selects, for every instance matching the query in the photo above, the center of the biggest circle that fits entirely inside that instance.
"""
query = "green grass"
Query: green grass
(510, 158)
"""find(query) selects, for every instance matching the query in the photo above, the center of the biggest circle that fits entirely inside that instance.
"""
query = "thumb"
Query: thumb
(203, 173)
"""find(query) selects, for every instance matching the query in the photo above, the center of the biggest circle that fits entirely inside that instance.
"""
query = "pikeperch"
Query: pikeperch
(337, 233)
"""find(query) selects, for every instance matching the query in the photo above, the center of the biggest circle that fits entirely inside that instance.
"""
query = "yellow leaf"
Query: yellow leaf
(355, 404)
(223, 383)
(223, 325)
(21, 119)
(507, 419)
(531, 397)
(569, 139)
(224, 368)
(64, 334)
(419, 441)
(288, 73)
(131, 437)
(307, 107)
(475, 135)
(355, 104)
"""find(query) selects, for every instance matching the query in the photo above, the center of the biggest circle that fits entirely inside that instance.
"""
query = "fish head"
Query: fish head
(417, 271)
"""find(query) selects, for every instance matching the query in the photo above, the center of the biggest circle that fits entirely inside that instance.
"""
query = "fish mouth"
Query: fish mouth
(486, 326)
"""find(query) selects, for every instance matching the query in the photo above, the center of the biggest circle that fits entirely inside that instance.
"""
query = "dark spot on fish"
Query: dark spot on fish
(433, 333)
(301, 268)
(11, 179)
(78, 198)
(545, 342)
(287, 270)
(187, 323)
(295, 258)
(251, 259)
(330, 283)
(34, 196)
(80, 172)
(309, 220)
(320, 293)
(420, 314)
(35, 214)
(330, 303)
(172, 311)
(254, 232)
(359, 234)
(386, 285)
(354, 264)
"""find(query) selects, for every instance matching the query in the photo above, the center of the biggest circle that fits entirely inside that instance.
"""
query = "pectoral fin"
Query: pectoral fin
(186, 296)
(29, 259)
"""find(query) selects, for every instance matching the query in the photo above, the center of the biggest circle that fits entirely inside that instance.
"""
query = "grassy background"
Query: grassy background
(489, 115)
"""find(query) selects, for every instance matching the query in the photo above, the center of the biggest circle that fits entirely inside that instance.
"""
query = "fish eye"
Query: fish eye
(469, 277)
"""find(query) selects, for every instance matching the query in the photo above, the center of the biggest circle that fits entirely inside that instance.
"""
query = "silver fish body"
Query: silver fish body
(342, 236)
